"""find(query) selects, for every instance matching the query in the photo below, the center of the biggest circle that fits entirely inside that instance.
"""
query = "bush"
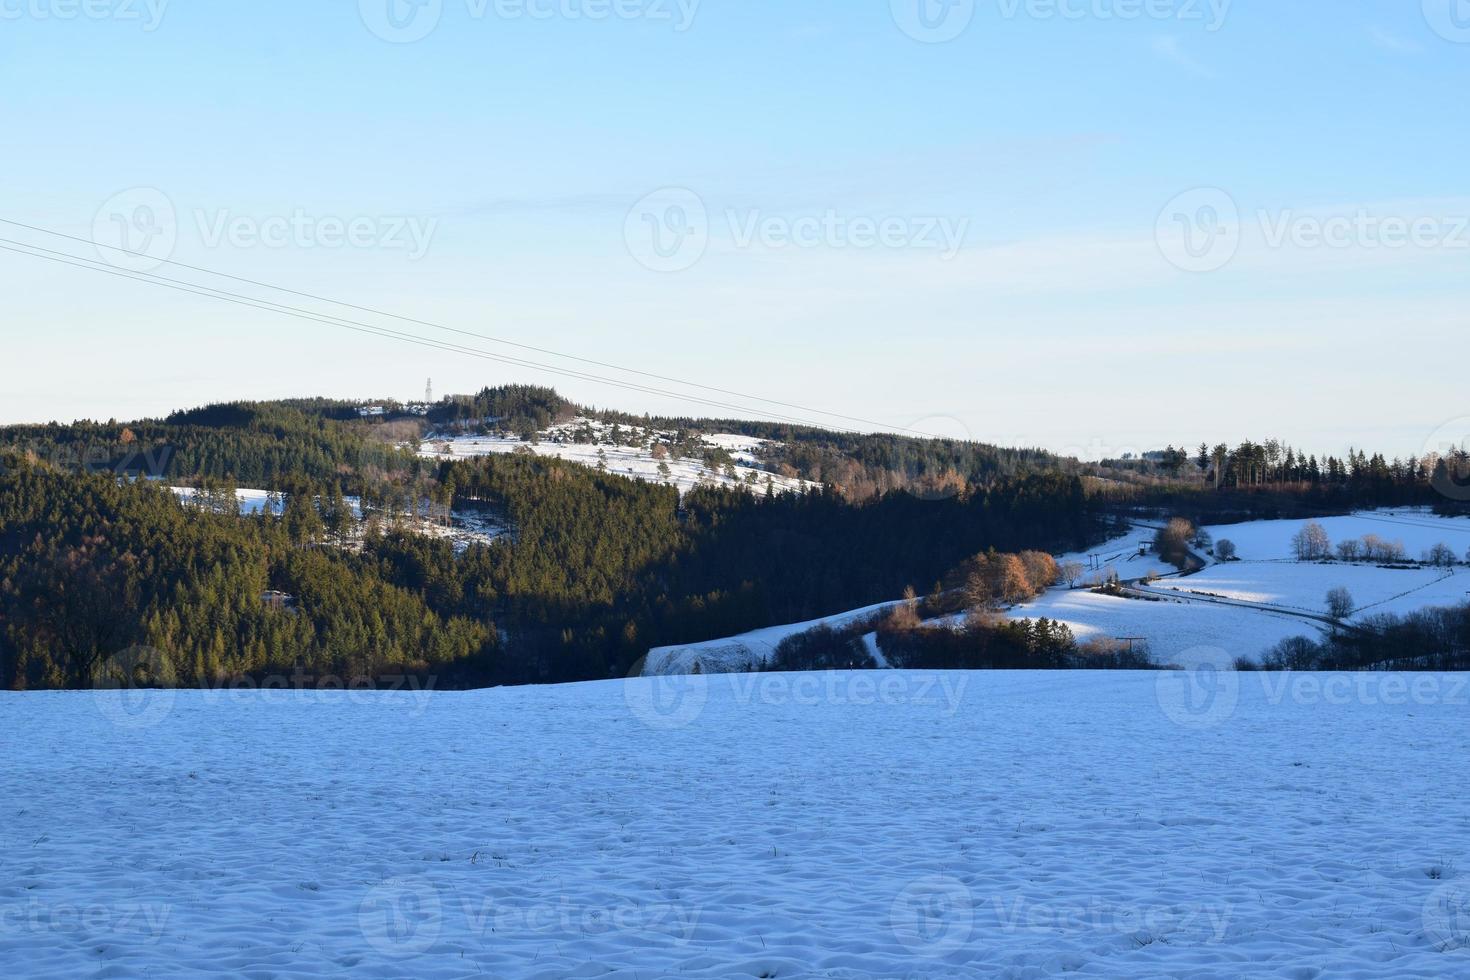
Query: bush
(1105, 653)
(1297, 653)
(1172, 543)
(823, 648)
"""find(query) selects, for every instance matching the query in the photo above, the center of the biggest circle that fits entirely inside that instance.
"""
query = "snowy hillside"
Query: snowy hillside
(1228, 611)
(1304, 587)
(1418, 530)
(465, 527)
(646, 454)
(1185, 634)
(749, 651)
(782, 826)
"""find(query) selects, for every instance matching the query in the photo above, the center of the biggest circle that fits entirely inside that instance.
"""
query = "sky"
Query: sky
(1095, 226)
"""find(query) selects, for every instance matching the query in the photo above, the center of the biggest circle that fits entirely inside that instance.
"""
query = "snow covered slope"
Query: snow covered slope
(1418, 530)
(1305, 586)
(749, 651)
(784, 826)
(1187, 627)
(635, 461)
(1182, 633)
(466, 527)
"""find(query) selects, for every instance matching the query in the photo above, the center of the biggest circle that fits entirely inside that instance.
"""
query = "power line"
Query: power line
(269, 306)
(467, 333)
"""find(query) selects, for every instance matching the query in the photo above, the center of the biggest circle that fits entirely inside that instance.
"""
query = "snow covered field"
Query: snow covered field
(782, 826)
(1305, 586)
(1417, 529)
(637, 462)
(1186, 634)
(1268, 597)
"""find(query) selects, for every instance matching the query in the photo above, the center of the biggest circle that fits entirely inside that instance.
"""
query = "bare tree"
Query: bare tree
(1340, 603)
(1225, 549)
(1441, 555)
(1071, 573)
(1311, 543)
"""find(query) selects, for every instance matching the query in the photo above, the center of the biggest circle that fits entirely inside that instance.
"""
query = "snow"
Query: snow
(466, 527)
(749, 650)
(791, 826)
(1127, 555)
(1228, 611)
(1182, 633)
(252, 502)
(1304, 587)
(636, 462)
(1417, 528)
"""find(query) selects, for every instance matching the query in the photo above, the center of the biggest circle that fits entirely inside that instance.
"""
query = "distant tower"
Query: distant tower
(429, 392)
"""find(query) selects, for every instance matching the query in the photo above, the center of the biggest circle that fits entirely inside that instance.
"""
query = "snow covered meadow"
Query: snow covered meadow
(1230, 610)
(638, 462)
(891, 824)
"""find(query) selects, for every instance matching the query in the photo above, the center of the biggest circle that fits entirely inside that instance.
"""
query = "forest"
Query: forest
(98, 557)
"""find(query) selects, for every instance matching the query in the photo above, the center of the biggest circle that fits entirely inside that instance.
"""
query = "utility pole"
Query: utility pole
(1131, 640)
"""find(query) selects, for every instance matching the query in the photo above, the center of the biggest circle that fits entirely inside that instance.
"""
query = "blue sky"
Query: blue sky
(1029, 171)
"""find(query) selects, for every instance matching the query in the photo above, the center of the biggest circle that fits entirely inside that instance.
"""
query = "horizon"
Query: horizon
(1076, 452)
(1147, 240)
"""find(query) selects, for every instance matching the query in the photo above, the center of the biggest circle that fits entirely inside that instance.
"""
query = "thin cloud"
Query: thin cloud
(1169, 50)
(1392, 42)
